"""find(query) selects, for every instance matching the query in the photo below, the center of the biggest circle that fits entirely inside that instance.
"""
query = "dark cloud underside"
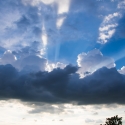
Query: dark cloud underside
(63, 86)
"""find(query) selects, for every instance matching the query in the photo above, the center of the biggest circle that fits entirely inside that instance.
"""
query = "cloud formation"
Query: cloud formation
(7, 58)
(110, 23)
(108, 26)
(28, 27)
(104, 86)
(26, 61)
(122, 70)
(48, 22)
(93, 60)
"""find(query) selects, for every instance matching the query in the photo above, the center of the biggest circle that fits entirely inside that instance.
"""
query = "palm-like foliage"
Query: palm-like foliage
(114, 121)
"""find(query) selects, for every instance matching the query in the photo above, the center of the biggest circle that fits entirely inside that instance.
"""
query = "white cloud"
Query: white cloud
(60, 65)
(60, 22)
(44, 36)
(27, 62)
(110, 22)
(107, 28)
(104, 37)
(63, 6)
(51, 66)
(93, 60)
(110, 16)
(122, 70)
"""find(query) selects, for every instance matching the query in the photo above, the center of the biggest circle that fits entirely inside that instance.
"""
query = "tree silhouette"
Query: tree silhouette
(114, 121)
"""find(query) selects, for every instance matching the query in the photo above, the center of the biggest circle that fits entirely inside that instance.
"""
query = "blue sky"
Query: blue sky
(62, 60)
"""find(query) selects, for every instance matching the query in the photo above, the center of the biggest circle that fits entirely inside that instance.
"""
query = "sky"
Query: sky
(61, 61)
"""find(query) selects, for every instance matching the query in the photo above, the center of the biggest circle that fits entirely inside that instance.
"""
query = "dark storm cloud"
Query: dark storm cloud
(104, 86)
(37, 108)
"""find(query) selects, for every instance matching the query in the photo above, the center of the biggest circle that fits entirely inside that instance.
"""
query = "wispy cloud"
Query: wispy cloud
(108, 26)
(110, 23)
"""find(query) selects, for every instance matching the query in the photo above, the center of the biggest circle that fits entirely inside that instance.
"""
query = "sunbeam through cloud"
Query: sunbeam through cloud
(61, 61)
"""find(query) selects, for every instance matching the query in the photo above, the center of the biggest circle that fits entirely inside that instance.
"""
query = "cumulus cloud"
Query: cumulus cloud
(29, 59)
(52, 66)
(104, 86)
(122, 70)
(26, 61)
(93, 60)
